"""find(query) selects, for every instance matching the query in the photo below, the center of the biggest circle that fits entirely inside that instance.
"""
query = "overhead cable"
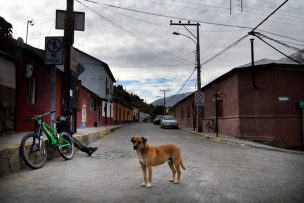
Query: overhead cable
(167, 16)
(278, 50)
(133, 35)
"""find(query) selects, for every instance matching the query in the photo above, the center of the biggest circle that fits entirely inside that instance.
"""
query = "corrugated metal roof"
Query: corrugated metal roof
(171, 100)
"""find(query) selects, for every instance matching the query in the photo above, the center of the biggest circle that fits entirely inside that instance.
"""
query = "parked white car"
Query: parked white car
(168, 122)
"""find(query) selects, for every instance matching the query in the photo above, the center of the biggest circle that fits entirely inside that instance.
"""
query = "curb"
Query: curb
(11, 162)
(253, 145)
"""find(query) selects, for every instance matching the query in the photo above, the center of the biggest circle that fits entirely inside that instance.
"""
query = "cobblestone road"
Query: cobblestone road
(215, 172)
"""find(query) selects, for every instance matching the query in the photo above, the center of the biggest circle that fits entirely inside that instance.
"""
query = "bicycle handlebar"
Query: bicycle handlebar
(36, 117)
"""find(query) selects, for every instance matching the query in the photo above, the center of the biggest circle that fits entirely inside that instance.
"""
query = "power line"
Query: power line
(183, 85)
(259, 36)
(254, 34)
(133, 35)
(283, 36)
(268, 16)
(277, 41)
(226, 49)
(167, 16)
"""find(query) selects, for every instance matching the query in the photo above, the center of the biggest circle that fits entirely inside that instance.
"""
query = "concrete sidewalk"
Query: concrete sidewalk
(233, 140)
(11, 162)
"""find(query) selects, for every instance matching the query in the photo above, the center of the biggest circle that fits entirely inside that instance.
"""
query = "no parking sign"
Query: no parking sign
(54, 50)
(199, 99)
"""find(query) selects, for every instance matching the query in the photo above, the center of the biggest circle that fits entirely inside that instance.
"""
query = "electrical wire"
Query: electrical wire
(277, 41)
(283, 36)
(226, 49)
(269, 16)
(182, 86)
(278, 50)
(133, 35)
(167, 16)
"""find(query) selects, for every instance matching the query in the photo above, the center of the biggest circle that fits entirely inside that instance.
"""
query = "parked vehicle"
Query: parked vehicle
(169, 122)
(157, 119)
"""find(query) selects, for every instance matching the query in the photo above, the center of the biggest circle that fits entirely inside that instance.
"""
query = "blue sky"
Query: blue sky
(140, 49)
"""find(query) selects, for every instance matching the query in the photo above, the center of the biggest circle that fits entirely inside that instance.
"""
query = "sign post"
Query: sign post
(53, 57)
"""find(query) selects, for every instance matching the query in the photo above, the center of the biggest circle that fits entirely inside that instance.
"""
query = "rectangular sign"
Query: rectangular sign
(53, 51)
(199, 99)
(79, 18)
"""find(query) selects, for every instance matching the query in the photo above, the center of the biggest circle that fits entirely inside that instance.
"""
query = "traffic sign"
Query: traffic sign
(53, 50)
(199, 99)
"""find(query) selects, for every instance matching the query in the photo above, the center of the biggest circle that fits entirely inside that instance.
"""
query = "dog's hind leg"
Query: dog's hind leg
(177, 167)
(170, 163)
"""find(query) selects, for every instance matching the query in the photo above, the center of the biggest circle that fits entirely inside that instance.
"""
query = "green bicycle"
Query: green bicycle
(33, 149)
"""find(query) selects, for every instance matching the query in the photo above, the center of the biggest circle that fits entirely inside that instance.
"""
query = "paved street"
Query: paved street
(215, 172)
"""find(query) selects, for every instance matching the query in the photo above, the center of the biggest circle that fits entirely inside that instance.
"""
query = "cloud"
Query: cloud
(141, 50)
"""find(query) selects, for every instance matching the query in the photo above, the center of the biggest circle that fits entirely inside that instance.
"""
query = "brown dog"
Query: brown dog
(149, 156)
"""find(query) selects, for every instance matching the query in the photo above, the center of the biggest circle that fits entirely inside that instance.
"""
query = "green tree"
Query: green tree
(6, 29)
(6, 39)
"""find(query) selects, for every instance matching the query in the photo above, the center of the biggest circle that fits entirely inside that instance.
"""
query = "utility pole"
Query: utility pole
(164, 100)
(252, 63)
(68, 43)
(198, 67)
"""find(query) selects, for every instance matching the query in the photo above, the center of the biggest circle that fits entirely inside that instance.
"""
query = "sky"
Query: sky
(134, 37)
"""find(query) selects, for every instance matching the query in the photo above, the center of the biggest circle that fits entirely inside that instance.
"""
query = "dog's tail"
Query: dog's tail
(182, 164)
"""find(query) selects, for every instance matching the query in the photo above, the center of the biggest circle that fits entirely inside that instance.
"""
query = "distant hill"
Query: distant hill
(171, 100)
(131, 100)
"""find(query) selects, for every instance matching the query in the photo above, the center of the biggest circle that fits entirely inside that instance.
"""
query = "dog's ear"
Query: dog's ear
(132, 139)
(144, 140)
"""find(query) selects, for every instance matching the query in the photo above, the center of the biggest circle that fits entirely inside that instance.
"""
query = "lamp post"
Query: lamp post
(198, 65)
(31, 23)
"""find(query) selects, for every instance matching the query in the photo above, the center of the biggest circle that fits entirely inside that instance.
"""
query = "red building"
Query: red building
(25, 85)
(258, 104)
(33, 88)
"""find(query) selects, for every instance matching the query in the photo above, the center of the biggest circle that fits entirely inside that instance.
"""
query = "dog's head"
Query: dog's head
(138, 142)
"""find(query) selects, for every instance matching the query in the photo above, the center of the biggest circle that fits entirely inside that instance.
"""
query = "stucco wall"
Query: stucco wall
(7, 95)
(24, 109)
(228, 122)
(263, 115)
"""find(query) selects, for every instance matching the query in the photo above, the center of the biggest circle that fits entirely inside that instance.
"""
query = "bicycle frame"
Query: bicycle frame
(50, 132)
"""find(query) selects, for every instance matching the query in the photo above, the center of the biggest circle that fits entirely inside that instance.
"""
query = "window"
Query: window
(31, 97)
(93, 103)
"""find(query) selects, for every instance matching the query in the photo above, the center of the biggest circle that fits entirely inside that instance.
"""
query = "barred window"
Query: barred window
(32, 88)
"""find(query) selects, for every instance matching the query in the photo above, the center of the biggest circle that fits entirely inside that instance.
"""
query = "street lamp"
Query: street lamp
(177, 33)
(198, 64)
(31, 23)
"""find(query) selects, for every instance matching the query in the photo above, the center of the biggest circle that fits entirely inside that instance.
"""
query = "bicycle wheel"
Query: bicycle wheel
(66, 146)
(33, 155)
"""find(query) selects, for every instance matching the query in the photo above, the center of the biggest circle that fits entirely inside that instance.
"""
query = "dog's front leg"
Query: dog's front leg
(144, 169)
(150, 176)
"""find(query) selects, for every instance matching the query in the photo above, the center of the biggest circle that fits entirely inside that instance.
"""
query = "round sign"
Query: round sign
(54, 45)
